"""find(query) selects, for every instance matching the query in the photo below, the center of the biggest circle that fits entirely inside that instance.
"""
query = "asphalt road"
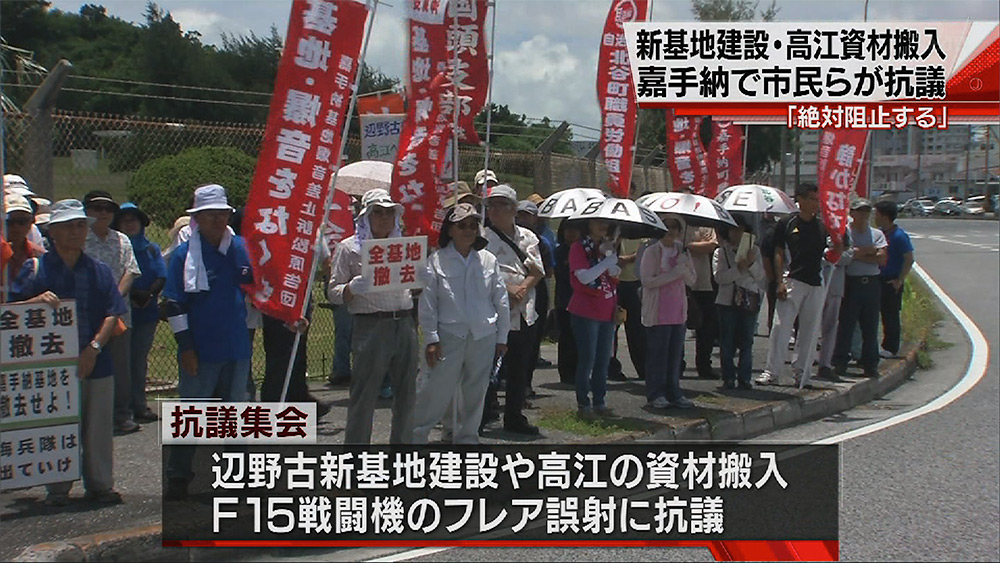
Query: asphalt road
(925, 489)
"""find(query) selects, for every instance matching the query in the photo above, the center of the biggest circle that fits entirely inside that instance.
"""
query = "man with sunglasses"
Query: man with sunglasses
(114, 249)
(20, 218)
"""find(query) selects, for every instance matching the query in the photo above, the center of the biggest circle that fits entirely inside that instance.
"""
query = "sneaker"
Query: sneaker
(885, 354)
(126, 427)
(827, 374)
(109, 496)
(521, 427)
(659, 403)
(147, 416)
(682, 403)
(766, 378)
(605, 412)
(57, 499)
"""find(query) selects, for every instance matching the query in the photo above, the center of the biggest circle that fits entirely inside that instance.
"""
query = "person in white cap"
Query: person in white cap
(68, 273)
(384, 337)
(20, 220)
(207, 313)
(485, 180)
(115, 249)
(16, 185)
(520, 259)
(465, 316)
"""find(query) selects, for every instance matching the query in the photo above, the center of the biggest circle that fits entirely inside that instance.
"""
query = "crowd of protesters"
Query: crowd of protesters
(473, 330)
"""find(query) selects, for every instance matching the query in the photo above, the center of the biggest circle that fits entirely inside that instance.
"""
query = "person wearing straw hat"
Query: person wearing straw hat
(460, 192)
(115, 249)
(20, 219)
(207, 313)
(144, 295)
(465, 315)
(68, 273)
(384, 332)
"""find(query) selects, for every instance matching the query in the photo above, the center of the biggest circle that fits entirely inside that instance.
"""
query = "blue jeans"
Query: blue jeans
(343, 323)
(224, 380)
(141, 343)
(594, 342)
(736, 331)
(664, 354)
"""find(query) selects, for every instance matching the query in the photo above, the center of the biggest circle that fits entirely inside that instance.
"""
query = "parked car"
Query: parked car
(975, 205)
(947, 207)
(917, 208)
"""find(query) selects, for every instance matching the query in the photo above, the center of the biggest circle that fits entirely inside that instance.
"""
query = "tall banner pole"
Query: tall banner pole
(457, 105)
(638, 122)
(746, 142)
(329, 196)
(489, 93)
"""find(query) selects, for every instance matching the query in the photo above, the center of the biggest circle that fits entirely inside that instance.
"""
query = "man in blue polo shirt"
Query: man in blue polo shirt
(893, 275)
(207, 313)
(68, 273)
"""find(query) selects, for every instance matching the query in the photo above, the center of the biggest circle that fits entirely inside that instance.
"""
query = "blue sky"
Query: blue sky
(546, 50)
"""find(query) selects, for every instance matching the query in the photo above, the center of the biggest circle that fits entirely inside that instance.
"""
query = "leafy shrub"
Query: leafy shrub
(163, 187)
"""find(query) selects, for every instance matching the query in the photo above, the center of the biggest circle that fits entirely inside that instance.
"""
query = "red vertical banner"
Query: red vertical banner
(840, 153)
(685, 153)
(725, 158)
(300, 150)
(438, 32)
(614, 95)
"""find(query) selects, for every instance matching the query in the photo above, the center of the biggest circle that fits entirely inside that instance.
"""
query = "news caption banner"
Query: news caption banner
(39, 395)
(280, 488)
(819, 75)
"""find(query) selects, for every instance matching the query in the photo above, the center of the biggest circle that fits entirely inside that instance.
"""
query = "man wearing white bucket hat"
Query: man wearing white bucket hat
(68, 273)
(207, 313)
(384, 337)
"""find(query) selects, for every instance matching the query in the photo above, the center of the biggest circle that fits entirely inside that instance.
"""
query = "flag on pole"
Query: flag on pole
(725, 158)
(841, 152)
(685, 155)
(291, 183)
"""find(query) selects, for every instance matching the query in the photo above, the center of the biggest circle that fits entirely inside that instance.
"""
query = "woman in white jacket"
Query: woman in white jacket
(465, 316)
(741, 284)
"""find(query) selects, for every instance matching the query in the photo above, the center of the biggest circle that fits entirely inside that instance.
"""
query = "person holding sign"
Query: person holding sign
(384, 339)
(465, 315)
(206, 309)
(68, 273)
(739, 271)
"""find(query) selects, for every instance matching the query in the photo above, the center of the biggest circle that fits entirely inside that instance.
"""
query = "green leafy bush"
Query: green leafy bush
(163, 187)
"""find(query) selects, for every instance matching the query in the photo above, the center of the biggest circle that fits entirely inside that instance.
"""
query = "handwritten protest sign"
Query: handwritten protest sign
(393, 263)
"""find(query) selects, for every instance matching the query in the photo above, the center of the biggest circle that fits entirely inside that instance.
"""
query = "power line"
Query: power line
(148, 96)
(158, 84)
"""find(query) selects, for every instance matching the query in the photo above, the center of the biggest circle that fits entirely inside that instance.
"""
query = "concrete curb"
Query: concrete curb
(143, 543)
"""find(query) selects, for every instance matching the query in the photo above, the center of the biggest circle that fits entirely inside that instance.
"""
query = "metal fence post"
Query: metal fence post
(543, 185)
(38, 162)
(591, 157)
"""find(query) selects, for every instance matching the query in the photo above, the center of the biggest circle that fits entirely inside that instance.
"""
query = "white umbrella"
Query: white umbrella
(695, 209)
(755, 198)
(565, 203)
(634, 220)
(358, 177)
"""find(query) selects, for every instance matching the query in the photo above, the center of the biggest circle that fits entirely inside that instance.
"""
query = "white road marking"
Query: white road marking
(937, 238)
(974, 373)
(411, 554)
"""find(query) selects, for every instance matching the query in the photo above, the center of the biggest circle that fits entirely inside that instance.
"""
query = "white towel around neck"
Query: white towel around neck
(195, 274)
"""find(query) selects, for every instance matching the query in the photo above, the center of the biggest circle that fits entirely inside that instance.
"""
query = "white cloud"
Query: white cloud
(210, 25)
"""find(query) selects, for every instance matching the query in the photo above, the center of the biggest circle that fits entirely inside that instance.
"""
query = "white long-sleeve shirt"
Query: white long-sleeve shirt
(728, 274)
(462, 295)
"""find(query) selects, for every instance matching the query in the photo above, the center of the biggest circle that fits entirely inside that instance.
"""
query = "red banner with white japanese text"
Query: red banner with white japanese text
(423, 165)
(725, 158)
(685, 154)
(291, 183)
(841, 152)
(614, 95)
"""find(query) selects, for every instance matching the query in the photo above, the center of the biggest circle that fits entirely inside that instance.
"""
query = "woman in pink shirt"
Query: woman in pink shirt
(664, 270)
(594, 265)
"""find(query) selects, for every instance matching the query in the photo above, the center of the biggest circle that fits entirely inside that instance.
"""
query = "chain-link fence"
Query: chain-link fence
(67, 154)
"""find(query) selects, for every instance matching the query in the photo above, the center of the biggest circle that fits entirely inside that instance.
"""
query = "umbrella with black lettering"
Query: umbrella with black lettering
(632, 219)
(565, 203)
(698, 211)
(756, 198)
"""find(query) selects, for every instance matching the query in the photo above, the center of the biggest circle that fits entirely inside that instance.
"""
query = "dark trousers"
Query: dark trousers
(772, 300)
(707, 333)
(663, 371)
(514, 371)
(278, 341)
(736, 329)
(542, 307)
(891, 304)
(635, 333)
(861, 305)
(567, 355)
